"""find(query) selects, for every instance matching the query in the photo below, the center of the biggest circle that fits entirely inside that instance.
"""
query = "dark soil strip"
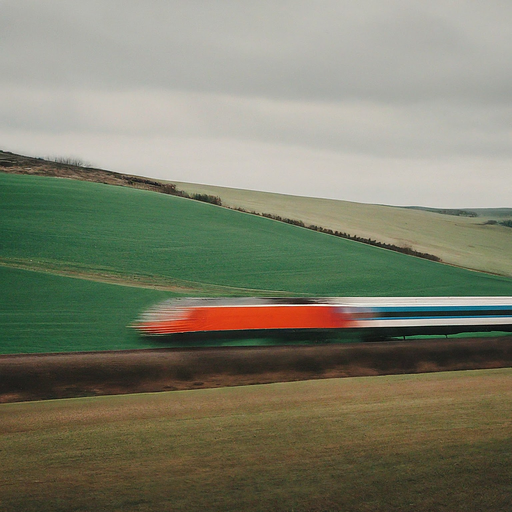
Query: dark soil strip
(48, 376)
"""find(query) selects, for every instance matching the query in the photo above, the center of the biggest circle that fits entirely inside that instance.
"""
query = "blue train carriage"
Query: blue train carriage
(381, 317)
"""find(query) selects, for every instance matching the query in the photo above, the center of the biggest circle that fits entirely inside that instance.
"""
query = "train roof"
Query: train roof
(336, 301)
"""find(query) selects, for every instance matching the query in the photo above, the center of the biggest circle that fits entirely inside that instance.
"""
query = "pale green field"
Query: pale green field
(460, 241)
(426, 442)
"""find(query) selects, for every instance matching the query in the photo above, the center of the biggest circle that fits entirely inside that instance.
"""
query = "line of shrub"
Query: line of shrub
(392, 247)
(507, 223)
(457, 213)
(170, 188)
(68, 160)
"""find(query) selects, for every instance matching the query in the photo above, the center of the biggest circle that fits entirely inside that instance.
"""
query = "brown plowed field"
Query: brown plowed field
(48, 376)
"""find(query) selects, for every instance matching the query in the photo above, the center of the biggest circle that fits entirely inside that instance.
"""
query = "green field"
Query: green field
(97, 229)
(464, 241)
(154, 246)
(426, 442)
(42, 312)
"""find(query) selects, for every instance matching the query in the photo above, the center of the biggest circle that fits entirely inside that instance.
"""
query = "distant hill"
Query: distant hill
(483, 213)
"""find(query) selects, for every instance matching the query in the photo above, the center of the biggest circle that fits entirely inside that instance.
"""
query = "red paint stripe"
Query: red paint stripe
(239, 318)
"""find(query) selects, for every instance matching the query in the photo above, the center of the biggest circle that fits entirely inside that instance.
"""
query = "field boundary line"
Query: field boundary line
(152, 282)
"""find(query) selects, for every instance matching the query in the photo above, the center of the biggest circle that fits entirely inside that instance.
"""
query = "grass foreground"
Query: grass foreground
(425, 442)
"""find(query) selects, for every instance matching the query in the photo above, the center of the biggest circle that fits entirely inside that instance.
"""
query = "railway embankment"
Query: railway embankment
(28, 377)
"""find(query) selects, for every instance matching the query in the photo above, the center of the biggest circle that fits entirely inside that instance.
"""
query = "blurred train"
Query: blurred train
(372, 318)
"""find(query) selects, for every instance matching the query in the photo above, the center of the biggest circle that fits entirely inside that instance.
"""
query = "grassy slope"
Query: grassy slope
(381, 443)
(100, 228)
(47, 313)
(461, 241)
(97, 229)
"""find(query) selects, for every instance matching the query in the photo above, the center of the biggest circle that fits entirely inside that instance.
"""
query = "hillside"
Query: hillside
(467, 242)
(138, 235)
(476, 242)
(81, 260)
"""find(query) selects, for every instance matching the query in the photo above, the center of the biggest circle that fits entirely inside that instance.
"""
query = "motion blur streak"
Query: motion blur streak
(372, 317)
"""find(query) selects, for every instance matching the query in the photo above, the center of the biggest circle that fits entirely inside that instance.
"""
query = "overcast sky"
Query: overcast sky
(380, 101)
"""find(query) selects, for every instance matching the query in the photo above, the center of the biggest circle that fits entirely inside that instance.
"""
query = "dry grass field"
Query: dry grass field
(425, 442)
(462, 241)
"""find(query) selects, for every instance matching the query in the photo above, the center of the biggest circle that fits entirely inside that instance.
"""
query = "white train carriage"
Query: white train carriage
(407, 316)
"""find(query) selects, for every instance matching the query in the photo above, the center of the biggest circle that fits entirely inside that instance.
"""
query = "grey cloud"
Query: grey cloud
(455, 182)
(426, 130)
(245, 94)
(399, 51)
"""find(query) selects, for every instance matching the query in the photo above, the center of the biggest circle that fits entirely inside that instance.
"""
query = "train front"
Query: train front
(244, 317)
(174, 316)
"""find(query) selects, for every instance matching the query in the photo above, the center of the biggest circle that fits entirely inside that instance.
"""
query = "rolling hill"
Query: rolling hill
(467, 241)
(471, 238)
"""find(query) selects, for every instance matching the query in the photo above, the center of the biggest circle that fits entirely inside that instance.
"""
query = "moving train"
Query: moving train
(372, 318)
